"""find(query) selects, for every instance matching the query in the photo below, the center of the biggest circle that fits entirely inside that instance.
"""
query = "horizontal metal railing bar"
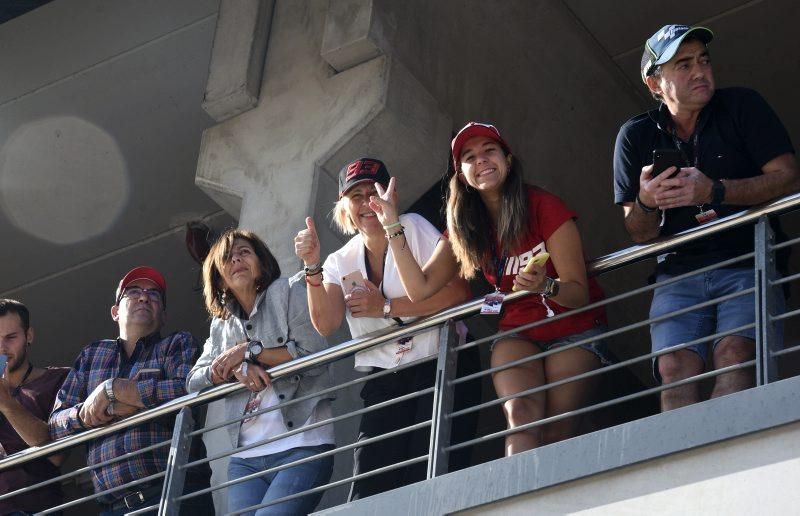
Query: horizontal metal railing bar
(785, 279)
(175, 405)
(353, 478)
(607, 301)
(784, 315)
(786, 351)
(601, 370)
(301, 429)
(82, 470)
(144, 510)
(787, 243)
(300, 399)
(95, 496)
(617, 331)
(334, 451)
(640, 252)
(604, 404)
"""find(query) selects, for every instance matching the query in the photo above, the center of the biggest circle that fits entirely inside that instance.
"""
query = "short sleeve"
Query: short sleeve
(762, 131)
(331, 270)
(551, 213)
(627, 167)
(425, 236)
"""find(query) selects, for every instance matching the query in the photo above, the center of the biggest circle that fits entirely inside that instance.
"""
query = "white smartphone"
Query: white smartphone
(353, 282)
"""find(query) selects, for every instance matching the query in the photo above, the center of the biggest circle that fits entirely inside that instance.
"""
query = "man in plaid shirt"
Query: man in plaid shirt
(115, 378)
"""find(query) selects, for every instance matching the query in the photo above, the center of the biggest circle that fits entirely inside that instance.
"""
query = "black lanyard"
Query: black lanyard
(18, 388)
(499, 263)
(695, 139)
(398, 320)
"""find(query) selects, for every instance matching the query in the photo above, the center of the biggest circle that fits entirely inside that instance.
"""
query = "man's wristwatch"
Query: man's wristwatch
(717, 192)
(387, 308)
(254, 348)
(108, 386)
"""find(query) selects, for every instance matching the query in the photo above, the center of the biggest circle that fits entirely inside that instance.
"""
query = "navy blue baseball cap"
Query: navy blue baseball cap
(662, 45)
(362, 170)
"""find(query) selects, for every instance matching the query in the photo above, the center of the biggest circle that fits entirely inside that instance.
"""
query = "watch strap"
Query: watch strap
(108, 386)
(717, 192)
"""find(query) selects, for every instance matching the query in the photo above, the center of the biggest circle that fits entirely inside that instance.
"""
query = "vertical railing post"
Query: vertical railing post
(766, 303)
(178, 457)
(443, 400)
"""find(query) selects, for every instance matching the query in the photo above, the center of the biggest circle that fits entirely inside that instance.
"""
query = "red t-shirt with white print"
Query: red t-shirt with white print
(546, 213)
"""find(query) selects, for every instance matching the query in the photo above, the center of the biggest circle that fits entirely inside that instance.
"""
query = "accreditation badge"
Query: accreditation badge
(492, 303)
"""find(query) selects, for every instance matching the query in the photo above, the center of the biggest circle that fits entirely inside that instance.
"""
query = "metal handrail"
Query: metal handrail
(597, 266)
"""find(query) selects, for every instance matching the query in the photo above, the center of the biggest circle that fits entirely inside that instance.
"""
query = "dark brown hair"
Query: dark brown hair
(12, 306)
(470, 228)
(219, 254)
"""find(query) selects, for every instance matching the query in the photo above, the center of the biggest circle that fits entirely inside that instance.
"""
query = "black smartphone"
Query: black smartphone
(665, 158)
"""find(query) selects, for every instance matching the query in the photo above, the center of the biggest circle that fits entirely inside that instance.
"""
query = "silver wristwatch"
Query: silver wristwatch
(108, 386)
(254, 348)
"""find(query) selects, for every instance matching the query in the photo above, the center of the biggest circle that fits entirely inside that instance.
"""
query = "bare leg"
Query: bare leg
(570, 396)
(731, 350)
(523, 410)
(677, 366)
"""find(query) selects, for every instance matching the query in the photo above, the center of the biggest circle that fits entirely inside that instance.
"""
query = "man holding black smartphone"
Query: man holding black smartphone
(703, 154)
(115, 378)
(26, 397)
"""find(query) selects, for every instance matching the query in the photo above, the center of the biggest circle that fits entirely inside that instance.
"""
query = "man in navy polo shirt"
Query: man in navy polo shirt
(734, 153)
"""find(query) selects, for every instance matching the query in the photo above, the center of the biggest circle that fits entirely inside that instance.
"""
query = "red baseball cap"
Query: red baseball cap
(471, 130)
(142, 272)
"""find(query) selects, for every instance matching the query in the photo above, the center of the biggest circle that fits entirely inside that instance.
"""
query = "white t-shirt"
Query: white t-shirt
(270, 424)
(422, 238)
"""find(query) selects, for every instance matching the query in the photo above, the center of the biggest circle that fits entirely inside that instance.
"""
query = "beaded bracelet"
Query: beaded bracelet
(401, 231)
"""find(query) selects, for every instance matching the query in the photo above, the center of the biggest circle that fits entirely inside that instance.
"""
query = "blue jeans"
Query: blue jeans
(280, 483)
(721, 317)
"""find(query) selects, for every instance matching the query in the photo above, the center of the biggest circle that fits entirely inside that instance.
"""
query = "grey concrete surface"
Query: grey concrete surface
(684, 447)
(100, 124)
(237, 57)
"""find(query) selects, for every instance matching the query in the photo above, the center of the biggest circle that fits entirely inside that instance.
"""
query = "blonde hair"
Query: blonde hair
(341, 219)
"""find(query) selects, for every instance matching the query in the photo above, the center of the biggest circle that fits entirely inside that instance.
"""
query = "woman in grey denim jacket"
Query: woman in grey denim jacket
(261, 320)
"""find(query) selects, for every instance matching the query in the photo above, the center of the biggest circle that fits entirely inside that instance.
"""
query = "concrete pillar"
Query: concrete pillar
(275, 164)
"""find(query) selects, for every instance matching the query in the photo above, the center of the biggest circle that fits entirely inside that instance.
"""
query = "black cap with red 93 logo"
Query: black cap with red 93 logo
(360, 171)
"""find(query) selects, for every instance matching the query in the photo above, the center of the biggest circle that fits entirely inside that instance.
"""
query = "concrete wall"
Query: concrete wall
(100, 123)
(751, 475)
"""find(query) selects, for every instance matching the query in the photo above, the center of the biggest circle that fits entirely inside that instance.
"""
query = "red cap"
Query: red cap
(142, 273)
(472, 130)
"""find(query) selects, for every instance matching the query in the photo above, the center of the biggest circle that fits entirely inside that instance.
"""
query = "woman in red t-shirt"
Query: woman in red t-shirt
(496, 223)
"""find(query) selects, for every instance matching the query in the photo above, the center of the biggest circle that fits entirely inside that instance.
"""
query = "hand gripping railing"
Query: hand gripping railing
(439, 432)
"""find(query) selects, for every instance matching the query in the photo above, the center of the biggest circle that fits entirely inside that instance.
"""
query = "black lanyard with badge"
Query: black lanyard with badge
(493, 303)
(704, 216)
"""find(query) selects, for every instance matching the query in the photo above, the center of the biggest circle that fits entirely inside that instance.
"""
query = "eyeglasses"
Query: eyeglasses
(153, 294)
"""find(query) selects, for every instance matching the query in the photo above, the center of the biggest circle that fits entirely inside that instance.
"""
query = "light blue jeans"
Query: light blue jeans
(281, 483)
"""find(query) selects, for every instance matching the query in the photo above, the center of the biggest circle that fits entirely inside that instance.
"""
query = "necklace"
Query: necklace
(18, 388)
